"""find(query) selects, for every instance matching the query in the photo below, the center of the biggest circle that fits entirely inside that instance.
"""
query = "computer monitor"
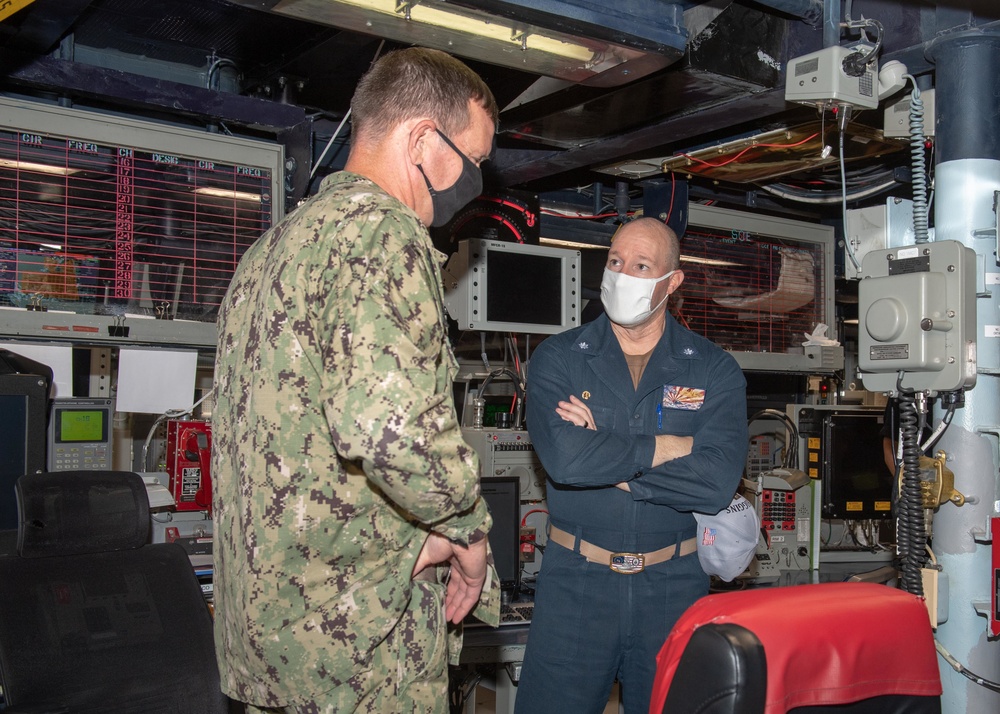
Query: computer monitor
(857, 484)
(23, 412)
(503, 497)
(513, 287)
(841, 446)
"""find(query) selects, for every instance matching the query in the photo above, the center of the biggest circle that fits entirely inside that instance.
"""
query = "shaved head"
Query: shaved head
(659, 233)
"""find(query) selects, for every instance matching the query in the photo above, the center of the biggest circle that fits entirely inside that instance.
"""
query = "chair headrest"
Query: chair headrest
(826, 643)
(76, 512)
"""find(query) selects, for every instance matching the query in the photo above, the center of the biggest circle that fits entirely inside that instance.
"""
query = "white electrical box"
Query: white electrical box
(897, 116)
(877, 228)
(822, 79)
(917, 318)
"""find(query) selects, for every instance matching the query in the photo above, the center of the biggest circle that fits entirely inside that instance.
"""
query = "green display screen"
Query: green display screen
(81, 425)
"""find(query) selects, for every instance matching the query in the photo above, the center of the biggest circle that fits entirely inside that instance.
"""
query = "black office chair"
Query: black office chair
(92, 619)
(861, 648)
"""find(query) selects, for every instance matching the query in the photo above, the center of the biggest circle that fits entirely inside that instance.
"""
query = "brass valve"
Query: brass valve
(937, 482)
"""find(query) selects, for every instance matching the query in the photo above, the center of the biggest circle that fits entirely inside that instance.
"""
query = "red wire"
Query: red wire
(533, 510)
(755, 146)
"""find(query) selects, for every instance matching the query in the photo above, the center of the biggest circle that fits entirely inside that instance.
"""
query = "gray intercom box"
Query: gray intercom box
(917, 318)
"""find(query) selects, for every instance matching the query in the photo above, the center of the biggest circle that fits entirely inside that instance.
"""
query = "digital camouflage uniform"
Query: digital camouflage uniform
(335, 448)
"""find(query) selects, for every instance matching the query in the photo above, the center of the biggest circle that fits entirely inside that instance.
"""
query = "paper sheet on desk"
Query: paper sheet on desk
(156, 381)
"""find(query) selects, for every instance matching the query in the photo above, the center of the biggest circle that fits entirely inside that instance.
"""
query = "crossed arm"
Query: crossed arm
(668, 446)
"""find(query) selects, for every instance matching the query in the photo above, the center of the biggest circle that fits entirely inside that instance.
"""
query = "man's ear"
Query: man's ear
(418, 138)
(674, 281)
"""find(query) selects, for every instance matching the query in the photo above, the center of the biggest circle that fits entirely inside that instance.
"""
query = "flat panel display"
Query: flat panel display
(502, 286)
(503, 496)
(81, 425)
(23, 407)
(857, 484)
(524, 288)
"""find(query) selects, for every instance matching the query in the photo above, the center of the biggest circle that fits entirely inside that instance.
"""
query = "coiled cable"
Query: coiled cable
(918, 163)
(910, 530)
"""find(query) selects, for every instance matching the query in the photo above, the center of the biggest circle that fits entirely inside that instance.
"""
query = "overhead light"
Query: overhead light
(227, 193)
(709, 261)
(476, 34)
(558, 243)
(592, 246)
(478, 25)
(37, 168)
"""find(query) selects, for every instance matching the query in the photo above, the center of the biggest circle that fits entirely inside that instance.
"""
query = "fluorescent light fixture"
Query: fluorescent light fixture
(227, 193)
(484, 26)
(570, 244)
(594, 246)
(709, 261)
(51, 246)
(37, 168)
(477, 34)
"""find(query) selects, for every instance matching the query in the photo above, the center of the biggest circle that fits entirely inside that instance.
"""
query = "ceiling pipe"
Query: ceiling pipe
(831, 23)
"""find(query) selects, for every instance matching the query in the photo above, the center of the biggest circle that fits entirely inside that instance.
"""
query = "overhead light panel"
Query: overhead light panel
(560, 243)
(473, 33)
(709, 261)
(475, 25)
(581, 245)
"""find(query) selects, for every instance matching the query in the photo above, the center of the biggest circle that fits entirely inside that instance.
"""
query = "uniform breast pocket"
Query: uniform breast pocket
(604, 418)
(679, 422)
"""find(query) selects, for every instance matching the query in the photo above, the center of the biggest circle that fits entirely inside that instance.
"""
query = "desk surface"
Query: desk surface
(834, 572)
(506, 644)
(494, 644)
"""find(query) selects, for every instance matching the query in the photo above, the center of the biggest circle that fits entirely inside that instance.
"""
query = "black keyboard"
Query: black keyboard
(516, 613)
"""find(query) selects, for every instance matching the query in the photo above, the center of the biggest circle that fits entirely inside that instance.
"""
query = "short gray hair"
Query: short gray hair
(418, 82)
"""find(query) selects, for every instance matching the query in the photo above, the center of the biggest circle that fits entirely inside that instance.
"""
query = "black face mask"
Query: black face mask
(467, 186)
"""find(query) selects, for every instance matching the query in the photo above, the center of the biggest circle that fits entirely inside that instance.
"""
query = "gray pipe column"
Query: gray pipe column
(967, 175)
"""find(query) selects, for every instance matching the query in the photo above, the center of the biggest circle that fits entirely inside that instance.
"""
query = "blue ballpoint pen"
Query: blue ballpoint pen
(659, 417)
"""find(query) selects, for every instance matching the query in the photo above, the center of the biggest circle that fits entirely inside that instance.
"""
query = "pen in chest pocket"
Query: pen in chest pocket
(659, 417)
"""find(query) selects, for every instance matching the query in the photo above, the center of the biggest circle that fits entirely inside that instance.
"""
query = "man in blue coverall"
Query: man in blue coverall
(638, 422)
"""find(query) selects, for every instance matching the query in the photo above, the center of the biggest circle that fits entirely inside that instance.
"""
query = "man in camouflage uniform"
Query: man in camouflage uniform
(340, 475)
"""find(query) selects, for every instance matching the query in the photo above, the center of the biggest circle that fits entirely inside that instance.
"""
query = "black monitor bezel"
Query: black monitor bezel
(511, 585)
(34, 389)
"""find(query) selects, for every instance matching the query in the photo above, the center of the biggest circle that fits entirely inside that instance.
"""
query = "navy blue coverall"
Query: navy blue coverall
(590, 623)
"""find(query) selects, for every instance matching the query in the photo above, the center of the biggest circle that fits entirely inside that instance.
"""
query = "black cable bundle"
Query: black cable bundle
(910, 530)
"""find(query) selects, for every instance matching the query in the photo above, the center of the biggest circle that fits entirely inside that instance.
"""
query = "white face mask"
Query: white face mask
(627, 299)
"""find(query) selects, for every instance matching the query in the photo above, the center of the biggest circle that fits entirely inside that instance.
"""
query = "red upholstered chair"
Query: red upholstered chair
(831, 647)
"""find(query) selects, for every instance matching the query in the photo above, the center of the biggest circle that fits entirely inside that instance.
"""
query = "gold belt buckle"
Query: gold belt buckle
(627, 563)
